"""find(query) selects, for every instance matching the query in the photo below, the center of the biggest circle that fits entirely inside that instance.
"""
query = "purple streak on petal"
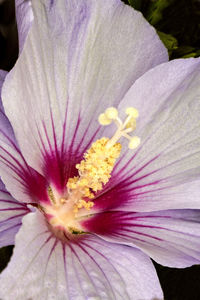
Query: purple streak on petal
(36, 186)
(82, 20)
(10, 201)
(126, 174)
(33, 183)
(56, 158)
(120, 195)
(87, 146)
(64, 129)
(8, 209)
(11, 220)
(117, 191)
(53, 162)
(2, 233)
(110, 223)
(83, 266)
(140, 233)
(140, 186)
(65, 268)
(59, 163)
(52, 249)
(6, 129)
(77, 273)
(51, 4)
(50, 254)
(44, 150)
(24, 17)
(7, 237)
(95, 262)
(13, 217)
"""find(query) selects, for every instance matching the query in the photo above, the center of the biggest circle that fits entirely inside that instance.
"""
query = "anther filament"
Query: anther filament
(123, 128)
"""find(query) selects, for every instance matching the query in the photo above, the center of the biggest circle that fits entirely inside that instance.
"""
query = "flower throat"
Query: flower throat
(94, 172)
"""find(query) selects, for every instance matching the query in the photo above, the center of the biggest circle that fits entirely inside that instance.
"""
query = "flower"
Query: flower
(95, 207)
(10, 209)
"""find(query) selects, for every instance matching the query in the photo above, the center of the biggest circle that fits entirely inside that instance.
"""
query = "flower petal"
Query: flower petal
(80, 57)
(171, 238)
(11, 213)
(2, 78)
(43, 267)
(24, 17)
(23, 182)
(164, 173)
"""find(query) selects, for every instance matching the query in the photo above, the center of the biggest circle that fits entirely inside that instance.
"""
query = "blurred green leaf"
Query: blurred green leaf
(169, 41)
(177, 23)
(155, 10)
(137, 4)
(187, 51)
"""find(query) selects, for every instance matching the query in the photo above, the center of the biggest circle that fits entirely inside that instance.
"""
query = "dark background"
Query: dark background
(178, 25)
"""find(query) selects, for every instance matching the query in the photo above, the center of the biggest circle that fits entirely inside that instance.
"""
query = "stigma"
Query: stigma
(123, 128)
(94, 172)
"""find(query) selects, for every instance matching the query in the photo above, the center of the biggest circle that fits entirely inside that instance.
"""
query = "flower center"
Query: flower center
(94, 172)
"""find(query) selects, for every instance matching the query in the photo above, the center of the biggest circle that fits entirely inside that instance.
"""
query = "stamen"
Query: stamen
(103, 120)
(94, 172)
(123, 128)
(133, 112)
(134, 142)
(111, 113)
(96, 167)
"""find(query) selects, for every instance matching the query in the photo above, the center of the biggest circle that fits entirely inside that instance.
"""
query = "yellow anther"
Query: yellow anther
(72, 183)
(133, 112)
(134, 142)
(131, 124)
(111, 113)
(95, 170)
(66, 210)
(83, 204)
(103, 120)
(82, 182)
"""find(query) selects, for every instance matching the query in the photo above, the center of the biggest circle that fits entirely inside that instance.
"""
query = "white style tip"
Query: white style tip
(134, 142)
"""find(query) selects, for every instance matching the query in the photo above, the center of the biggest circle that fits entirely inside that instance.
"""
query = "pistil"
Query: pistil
(94, 172)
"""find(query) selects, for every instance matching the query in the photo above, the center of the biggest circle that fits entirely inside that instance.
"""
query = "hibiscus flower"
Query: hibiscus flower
(100, 190)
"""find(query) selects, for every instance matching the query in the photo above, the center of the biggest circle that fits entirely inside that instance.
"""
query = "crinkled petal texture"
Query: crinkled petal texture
(89, 269)
(11, 214)
(24, 17)
(170, 237)
(79, 57)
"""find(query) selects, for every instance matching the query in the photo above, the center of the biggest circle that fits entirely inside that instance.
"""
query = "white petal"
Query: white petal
(2, 78)
(170, 237)
(24, 17)
(80, 57)
(164, 173)
(24, 183)
(11, 213)
(45, 268)
(9, 156)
